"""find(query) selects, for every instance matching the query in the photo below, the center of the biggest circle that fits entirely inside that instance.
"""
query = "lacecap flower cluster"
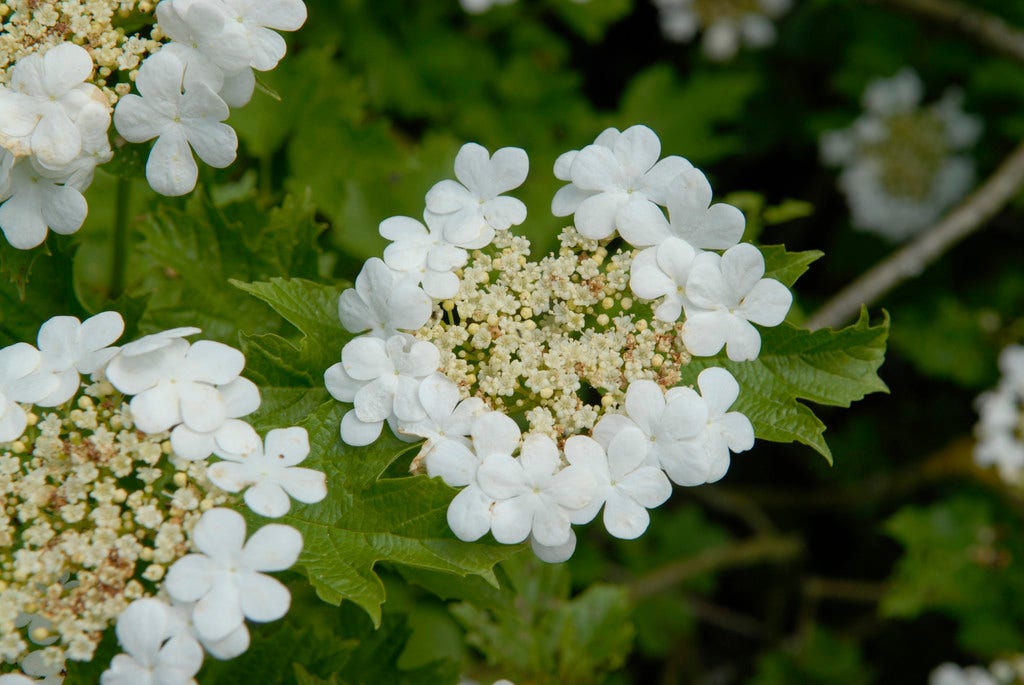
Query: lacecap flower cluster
(548, 390)
(113, 513)
(725, 25)
(56, 112)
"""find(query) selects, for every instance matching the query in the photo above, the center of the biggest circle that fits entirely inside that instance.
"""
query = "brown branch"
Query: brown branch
(910, 260)
(986, 28)
(844, 589)
(765, 548)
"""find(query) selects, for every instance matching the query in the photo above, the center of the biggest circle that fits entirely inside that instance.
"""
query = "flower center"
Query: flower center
(911, 154)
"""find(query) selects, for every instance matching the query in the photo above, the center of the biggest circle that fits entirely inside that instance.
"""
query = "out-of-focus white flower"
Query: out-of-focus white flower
(475, 205)
(903, 164)
(1001, 411)
(269, 471)
(225, 578)
(726, 294)
(153, 657)
(617, 183)
(481, 6)
(179, 114)
(726, 25)
(951, 674)
(383, 302)
(22, 379)
(70, 347)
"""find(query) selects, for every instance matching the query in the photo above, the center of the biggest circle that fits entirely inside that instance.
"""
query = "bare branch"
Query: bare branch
(978, 24)
(910, 260)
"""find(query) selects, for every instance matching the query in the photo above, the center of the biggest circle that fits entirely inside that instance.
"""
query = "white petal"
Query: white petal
(263, 598)
(171, 170)
(273, 547)
(358, 433)
(469, 514)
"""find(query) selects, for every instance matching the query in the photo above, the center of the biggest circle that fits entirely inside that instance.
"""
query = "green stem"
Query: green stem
(119, 242)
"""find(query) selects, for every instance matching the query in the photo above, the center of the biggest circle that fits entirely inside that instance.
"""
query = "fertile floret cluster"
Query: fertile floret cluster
(72, 65)
(902, 163)
(726, 24)
(1001, 672)
(1000, 430)
(549, 389)
(111, 511)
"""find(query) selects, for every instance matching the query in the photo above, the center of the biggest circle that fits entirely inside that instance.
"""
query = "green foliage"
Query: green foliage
(818, 658)
(832, 368)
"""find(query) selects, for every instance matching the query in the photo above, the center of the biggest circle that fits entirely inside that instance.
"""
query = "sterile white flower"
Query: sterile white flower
(39, 115)
(260, 20)
(179, 114)
(382, 302)
(70, 347)
(268, 471)
(533, 493)
(153, 656)
(610, 178)
(1000, 414)
(239, 398)
(381, 379)
(208, 42)
(727, 293)
(625, 485)
(555, 554)
(692, 217)
(424, 253)
(448, 416)
(179, 616)
(21, 380)
(224, 578)
(39, 199)
(476, 203)
(663, 271)
(952, 674)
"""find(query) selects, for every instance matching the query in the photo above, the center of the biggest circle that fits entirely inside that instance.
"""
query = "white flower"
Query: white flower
(448, 416)
(423, 252)
(6, 164)
(555, 554)
(626, 487)
(724, 28)
(225, 579)
(178, 114)
(153, 656)
(70, 347)
(39, 116)
(476, 203)
(175, 383)
(1000, 411)
(481, 6)
(951, 674)
(208, 42)
(16, 679)
(382, 302)
(534, 493)
(611, 177)
(727, 294)
(663, 271)
(704, 458)
(381, 379)
(180, 619)
(239, 398)
(692, 217)
(268, 471)
(257, 18)
(21, 380)
(37, 200)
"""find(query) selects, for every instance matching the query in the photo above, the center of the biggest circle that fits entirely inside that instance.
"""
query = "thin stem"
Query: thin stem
(119, 240)
(986, 28)
(910, 260)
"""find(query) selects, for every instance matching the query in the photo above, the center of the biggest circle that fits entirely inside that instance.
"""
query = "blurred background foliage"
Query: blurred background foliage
(901, 556)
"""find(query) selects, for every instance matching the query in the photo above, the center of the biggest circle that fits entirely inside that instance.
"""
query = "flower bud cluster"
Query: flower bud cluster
(108, 501)
(903, 164)
(1000, 429)
(464, 340)
(726, 24)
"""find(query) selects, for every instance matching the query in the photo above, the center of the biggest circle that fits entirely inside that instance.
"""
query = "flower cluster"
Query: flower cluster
(725, 24)
(1000, 430)
(463, 340)
(903, 164)
(113, 513)
(1001, 672)
(56, 112)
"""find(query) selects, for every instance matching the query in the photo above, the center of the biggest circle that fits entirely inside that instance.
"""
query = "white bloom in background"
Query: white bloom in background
(239, 398)
(70, 347)
(951, 674)
(663, 271)
(616, 182)
(1001, 412)
(902, 164)
(38, 199)
(38, 116)
(153, 657)
(448, 416)
(260, 20)
(475, 203)
(693, 218)
(22, 379)
(626, 486)
(225, 578)
(381, 378)
(533, 493)
(383, 302)
(424, 253)
(268, 471)
(481, 6)
(727, 294)
(179, 114)
(726, 25)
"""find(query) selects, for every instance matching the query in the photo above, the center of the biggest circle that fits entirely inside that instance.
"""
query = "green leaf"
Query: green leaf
(834, 368)
(819, 658)
(787, 267)
(594, 18)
